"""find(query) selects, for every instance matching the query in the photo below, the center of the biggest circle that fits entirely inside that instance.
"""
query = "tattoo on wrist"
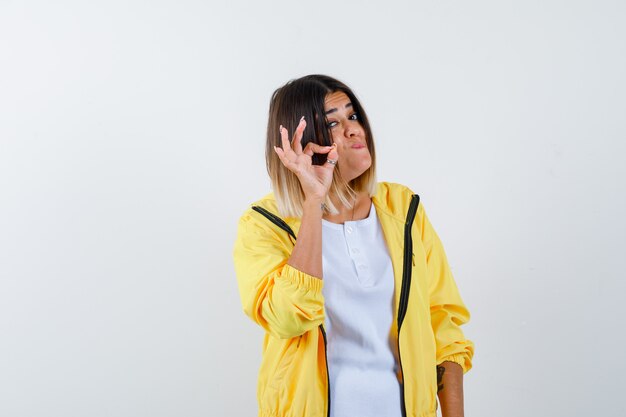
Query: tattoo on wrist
(440, 371)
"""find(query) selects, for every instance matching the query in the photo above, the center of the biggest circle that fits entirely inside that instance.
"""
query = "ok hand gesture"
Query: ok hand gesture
(315, 179)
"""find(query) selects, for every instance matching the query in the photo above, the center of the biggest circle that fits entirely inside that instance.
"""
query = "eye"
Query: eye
(354, 116)
(331, 124)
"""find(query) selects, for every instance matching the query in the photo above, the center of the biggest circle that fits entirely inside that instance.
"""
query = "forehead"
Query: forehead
(337, 100)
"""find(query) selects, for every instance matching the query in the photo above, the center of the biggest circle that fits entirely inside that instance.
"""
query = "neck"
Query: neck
(359, 211)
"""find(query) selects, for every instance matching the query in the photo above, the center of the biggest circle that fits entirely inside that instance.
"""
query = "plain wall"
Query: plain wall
(132, 139)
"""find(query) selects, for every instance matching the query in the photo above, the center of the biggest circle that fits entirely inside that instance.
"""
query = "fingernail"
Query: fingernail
(302, 118)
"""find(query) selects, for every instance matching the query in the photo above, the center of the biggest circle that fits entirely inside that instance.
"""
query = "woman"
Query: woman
(347, 276)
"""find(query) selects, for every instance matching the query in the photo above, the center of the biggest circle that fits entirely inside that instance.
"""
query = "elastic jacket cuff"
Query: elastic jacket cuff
(302, 279)
(462, 359)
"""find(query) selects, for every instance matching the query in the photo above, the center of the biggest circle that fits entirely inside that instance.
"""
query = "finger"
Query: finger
(296, 142)
(283, 158)
(284, 138)
(312, 148)
(280, 153)
(333, 156)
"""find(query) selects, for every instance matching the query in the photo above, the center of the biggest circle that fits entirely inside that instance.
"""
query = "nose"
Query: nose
(352, 129)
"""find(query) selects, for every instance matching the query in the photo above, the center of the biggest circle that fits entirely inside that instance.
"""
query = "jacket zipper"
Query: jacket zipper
(404, 292)
(406, 281)
(327, 373)
(281, 223)
(276, 220)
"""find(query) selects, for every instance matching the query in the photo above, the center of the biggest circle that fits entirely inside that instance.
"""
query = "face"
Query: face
(348, 134)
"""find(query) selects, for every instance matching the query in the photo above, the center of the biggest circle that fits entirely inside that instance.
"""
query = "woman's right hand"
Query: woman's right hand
(315, 179)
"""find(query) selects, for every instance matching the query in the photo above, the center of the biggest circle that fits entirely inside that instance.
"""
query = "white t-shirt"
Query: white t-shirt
(358, 295)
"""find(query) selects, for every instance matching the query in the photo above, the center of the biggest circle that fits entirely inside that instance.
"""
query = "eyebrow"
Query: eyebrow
(334, 110)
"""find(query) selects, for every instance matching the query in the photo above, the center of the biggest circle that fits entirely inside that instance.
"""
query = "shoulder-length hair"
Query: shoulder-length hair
(305, 97)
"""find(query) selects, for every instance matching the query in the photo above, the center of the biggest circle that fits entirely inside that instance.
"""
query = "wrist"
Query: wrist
(313, 205)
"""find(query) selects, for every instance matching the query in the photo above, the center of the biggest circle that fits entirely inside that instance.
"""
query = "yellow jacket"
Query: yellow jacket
(289, 305)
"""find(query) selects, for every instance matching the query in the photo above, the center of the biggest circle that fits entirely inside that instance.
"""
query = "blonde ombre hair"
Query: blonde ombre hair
(305, 97)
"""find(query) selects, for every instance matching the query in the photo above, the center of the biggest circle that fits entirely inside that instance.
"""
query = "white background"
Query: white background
(132, 139)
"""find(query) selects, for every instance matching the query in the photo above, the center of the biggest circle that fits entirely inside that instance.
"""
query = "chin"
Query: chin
(355, 175)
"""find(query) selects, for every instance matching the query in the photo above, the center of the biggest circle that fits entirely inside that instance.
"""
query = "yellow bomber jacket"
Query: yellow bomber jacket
(289, 305)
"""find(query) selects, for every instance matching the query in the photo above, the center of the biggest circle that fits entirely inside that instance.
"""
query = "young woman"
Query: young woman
(346, 275)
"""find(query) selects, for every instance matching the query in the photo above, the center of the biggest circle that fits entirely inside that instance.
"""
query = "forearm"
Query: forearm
(307, 253)
(450, 389)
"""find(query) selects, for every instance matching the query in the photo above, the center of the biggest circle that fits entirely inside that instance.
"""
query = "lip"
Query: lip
(358, 146)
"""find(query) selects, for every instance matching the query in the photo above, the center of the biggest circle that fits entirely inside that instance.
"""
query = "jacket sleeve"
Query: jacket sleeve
(283, 300)
(447, 310)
